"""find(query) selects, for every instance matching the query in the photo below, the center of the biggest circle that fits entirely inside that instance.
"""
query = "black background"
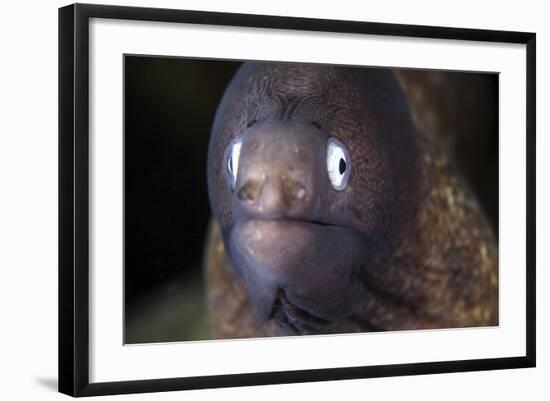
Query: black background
(169, 108)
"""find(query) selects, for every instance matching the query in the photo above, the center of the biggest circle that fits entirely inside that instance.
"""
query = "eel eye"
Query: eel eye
(338, 164)
(233, 154)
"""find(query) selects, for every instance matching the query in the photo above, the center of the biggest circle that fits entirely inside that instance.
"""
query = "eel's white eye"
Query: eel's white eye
(338, 164)
(233, 160)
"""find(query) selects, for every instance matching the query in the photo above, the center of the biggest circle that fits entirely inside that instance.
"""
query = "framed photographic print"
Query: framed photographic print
(249, 199)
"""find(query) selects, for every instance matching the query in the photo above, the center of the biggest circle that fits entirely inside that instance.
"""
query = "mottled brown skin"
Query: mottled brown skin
(461, 110)
(404, 246)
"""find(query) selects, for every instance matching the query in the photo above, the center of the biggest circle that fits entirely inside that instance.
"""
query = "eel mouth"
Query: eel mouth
(289, 220)
(312, 222)
(299, 273)
(270, 244)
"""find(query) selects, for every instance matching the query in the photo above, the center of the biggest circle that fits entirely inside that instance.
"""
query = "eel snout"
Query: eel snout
(279, 170)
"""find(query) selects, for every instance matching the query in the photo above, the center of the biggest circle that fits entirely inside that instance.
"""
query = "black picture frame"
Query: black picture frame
(74, 198)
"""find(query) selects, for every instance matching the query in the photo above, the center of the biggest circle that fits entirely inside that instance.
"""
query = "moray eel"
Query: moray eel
(334, 213)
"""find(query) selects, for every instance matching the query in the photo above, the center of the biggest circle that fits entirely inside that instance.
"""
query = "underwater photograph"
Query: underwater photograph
(283, 199)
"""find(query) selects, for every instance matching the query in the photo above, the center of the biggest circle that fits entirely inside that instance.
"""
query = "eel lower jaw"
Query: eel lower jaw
(293, 319)
(312, 261)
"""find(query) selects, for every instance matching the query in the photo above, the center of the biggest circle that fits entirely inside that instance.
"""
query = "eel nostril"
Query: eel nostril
(249, 192)
(292, 191)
